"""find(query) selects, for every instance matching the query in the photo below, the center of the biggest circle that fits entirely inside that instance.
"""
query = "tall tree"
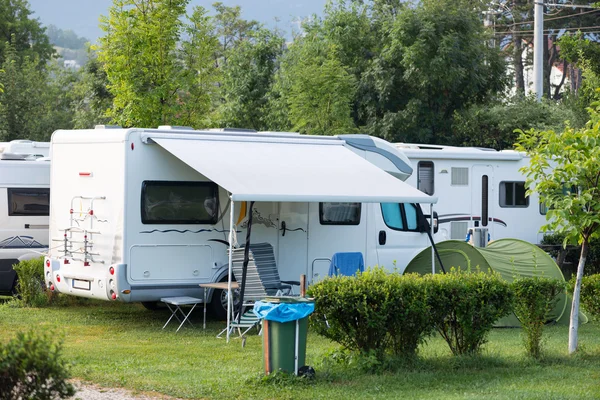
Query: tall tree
(564, 171)
(318, 89)
(91, 97)
(436, 62)
(35, 101)
(151, 72)
(24, 33)
(248, 78)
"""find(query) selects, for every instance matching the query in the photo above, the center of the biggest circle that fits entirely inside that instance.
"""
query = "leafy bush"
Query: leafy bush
(534, 299)
(31, 367)
(409, 321)
(590, 294)
(373, 313)
(30, 285)
(352, 310)
(464, 306)
(493, 124)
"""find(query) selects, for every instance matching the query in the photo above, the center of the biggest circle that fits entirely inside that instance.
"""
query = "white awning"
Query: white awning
(289, 171)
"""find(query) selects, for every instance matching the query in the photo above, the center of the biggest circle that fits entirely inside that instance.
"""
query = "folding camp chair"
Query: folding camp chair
(262, 280)
(264, 258)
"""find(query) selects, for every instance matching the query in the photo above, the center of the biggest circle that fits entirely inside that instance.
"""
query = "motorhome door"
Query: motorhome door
(397, 234)
(332, 228)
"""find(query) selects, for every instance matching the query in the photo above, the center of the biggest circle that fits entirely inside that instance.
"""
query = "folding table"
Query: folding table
(177, 302)
(215, 285)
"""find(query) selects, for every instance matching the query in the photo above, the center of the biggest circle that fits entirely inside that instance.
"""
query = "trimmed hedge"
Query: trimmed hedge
(590, 295)
(372, 313)
(534, 299)
(465, 305)
(32, 367)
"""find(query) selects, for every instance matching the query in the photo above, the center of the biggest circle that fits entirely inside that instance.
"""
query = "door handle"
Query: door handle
(382, 237)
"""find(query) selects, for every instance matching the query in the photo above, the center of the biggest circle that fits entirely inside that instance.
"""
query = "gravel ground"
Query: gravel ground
(94, 392)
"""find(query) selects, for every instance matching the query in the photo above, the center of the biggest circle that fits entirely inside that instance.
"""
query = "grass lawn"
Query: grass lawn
(123, 345)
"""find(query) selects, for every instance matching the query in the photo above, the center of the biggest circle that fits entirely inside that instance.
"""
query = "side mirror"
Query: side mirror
(426, 227)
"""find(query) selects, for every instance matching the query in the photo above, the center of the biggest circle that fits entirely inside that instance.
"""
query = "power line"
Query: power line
(549, 19)
(551, 30)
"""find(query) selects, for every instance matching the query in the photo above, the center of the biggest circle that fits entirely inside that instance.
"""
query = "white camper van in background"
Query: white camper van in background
(24, 205)
(141, 214)
(477, 186)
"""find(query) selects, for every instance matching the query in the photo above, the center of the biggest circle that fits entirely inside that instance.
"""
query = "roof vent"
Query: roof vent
(107, 127)
(176, 128)
(240, 130)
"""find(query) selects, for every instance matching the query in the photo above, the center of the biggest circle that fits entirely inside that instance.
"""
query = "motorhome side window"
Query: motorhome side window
(512, 194)
(400, 217)
(339, 213)
(425, 177)
(166, 202)
(30, 202)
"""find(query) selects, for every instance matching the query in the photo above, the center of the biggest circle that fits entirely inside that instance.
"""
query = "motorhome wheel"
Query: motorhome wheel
(218, 304)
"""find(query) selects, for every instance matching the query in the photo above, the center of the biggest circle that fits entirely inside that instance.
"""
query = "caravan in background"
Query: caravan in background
(24, 205)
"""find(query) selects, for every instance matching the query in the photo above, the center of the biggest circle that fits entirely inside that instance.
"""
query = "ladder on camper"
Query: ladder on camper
(78, 238)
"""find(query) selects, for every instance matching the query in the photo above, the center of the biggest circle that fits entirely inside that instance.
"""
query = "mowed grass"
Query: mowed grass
(124, 345)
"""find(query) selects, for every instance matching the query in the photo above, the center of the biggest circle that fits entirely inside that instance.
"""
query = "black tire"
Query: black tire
(218, 303)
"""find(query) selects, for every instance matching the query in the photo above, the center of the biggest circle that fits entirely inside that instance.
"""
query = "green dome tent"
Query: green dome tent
(511, 258)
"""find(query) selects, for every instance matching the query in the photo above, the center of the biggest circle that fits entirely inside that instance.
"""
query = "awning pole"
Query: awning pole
(432, 245)
(245, 264)
(229, 297)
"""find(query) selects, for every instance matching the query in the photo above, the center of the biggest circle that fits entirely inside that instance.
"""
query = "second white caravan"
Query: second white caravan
(477, 186)
(24, 206)
(141, 214)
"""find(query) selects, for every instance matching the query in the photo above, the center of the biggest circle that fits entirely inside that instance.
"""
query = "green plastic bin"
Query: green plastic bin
(279, 340)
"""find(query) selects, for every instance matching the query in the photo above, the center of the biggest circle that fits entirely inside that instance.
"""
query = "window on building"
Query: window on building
(512, 194)
(339, 213)
(167, 202)
(425, 177)
(31, 201)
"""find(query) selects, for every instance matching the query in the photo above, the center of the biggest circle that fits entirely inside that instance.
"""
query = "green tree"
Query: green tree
(567, 159)
(493, 124)
(231, 29)
(440, 63)
(148, 56)
(200, 73)
(248, 78)
(25, 34)
(91, 97)
(319, 89)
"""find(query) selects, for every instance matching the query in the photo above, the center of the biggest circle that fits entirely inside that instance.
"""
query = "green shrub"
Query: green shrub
(409, 321)
(590, 295)
(31, 367)
(30, 284)
(373, 313)
(465, 305)
(353, 311)
(535, 297)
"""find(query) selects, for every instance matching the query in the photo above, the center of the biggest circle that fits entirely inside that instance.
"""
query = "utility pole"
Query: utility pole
(538, 49)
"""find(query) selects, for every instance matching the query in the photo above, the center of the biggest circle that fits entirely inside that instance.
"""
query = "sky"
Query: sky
(81, 16)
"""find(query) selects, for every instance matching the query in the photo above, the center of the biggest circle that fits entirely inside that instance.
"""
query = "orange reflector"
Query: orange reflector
(126, 291)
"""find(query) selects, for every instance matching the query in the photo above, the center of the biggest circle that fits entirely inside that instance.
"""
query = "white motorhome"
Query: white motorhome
(477, 186)
(141, 214)
(24, 205)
